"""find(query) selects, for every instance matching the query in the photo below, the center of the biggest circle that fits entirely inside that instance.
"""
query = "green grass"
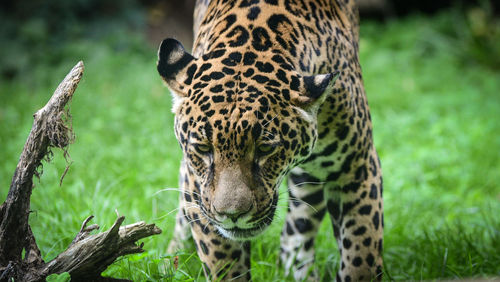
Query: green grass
(436, 129)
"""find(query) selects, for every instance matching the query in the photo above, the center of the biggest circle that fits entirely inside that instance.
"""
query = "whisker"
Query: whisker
(175, 189)
(283, 192)
(177, 209)
(270, 120)
(268, 137)
(167, 189)
(208, 222)
(284, 205)
(302, 201)
(267, 134)
(277, 216)
(194, 220)
(309, 182)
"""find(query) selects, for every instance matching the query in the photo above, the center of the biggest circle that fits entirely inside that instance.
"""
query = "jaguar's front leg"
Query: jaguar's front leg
(356, 212)
(182, 232)
(306, 209)
(223, 259)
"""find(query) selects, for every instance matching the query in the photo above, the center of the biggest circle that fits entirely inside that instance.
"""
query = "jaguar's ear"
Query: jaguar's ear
(172, 65)
(314, 89)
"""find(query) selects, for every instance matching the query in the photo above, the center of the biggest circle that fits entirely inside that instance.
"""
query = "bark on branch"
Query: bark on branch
(49, 130)
(87, 256)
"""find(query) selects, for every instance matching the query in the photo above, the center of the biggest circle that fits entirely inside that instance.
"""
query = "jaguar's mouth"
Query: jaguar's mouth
(242, 234)
(247, 228)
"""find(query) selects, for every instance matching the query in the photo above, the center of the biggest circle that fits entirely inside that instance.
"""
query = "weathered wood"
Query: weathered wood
(88, 255)
(49, 130)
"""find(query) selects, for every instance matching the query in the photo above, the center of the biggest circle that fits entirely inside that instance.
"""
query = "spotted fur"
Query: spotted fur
(273, 89)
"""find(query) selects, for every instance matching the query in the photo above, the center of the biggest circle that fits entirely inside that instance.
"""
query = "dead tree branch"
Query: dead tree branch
(49, 130)
(87, 256)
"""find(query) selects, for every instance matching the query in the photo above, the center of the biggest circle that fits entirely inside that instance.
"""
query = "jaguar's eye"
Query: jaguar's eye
(203, 148)
(265, 149)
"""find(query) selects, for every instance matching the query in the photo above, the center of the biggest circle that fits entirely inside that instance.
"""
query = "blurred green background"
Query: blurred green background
(432, 74)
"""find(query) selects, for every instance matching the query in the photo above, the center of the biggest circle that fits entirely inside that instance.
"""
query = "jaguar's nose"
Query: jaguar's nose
(232, 197)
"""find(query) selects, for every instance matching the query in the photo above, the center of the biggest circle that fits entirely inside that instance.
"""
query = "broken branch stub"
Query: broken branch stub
(89, 256)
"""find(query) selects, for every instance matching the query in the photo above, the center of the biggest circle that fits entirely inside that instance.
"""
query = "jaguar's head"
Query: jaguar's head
(243, 120)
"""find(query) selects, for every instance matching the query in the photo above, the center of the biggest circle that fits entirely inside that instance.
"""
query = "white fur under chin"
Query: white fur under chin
(230, 235)
(225, 233)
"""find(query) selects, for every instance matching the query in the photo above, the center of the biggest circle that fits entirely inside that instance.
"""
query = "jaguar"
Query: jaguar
(272, 91)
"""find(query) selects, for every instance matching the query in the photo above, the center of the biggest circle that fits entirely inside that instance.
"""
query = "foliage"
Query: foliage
(472, 34)
(435, 127)
(36, 32)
